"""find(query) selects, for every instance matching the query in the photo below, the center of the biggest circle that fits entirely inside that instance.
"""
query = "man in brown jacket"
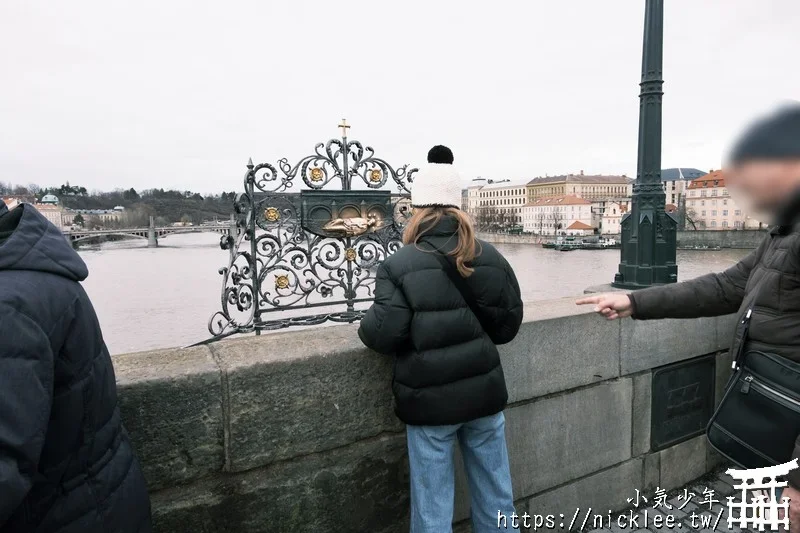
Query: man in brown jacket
(764, 170)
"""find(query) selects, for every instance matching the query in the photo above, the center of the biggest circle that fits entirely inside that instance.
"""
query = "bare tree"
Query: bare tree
(692, 220)
(557, 217)
(541, 216)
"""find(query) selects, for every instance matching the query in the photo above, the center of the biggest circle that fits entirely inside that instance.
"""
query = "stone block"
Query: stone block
(652, 343)
(642, 405)
(171, 404)
(363, 487)
(604, 491)
(652, 473)
(303, 392)
(561, 438)
(545, 357)
(683, 463)
(713, 459)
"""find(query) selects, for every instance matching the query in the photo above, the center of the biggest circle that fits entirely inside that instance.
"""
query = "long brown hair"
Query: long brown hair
(425, 219)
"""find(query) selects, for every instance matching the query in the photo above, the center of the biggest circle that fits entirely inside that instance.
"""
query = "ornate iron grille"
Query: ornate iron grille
(313, 249)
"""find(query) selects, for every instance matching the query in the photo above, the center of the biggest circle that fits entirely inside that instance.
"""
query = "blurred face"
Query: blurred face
(763, 185)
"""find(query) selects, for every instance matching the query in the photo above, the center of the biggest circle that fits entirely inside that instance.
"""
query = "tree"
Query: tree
(557, 218)
(541, 216)
(131, 195)
(692, 220)
(488, 218)
(186, 220)
(78, 220)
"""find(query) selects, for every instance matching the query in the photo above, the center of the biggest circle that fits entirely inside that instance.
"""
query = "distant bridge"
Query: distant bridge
(151, 233)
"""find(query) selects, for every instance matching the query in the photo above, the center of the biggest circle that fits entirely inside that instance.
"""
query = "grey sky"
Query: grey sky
(179, 93)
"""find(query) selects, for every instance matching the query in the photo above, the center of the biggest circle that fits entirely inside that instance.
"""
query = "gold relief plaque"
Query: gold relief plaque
(375, 175)
(350, 254)
(281, 282)
(316, 174)
(352, 226)
(272, 214)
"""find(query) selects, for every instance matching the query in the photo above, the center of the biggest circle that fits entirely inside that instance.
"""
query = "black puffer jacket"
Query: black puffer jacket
(447, 368)
(66, 465)
(768, 280)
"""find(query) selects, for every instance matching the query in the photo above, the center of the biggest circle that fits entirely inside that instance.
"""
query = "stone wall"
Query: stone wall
(502, 238)
(728, 238)
(744, 239)
(294, 431)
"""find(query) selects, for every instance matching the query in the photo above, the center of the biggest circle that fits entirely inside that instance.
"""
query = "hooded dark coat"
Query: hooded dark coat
(447, 368)
(66, 464)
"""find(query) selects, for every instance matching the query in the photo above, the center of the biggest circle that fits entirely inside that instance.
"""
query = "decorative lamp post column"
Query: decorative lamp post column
(648, 232)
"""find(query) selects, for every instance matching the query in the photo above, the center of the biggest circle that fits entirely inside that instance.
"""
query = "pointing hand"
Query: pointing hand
(611, 305)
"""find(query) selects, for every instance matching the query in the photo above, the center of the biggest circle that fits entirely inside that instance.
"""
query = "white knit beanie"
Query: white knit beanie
(437, 184)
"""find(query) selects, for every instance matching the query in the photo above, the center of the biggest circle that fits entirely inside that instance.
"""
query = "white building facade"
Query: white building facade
(554, 214)
(500, 200)
(709, 206)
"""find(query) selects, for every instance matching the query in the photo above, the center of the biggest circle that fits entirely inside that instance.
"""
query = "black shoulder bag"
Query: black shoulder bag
(758, 419)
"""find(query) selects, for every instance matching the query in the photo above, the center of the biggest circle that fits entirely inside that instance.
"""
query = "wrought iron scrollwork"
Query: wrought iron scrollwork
(282, 259)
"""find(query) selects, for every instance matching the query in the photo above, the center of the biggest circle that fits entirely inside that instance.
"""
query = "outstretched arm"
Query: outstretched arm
(710, 295)
(26, 391)
(386, 326)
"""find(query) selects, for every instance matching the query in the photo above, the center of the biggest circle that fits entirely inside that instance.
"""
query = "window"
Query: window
(724, 223)
(703, 193)
(724, 202)
(714, 192)
(714, 213)
(702, 202)
(713, 223)
(724, 212)
(738, 212)
(703, 213)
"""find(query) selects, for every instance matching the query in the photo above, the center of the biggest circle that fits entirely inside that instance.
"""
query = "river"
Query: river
(149, 298)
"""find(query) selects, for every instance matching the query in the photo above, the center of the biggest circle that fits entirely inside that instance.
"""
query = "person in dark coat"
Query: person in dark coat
(66, 464)
(442, 305)
(765, 170)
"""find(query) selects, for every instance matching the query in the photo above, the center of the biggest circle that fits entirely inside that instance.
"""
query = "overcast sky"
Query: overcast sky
(179, 93)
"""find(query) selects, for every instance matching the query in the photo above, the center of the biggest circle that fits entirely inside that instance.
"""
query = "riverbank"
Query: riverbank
(687, 240)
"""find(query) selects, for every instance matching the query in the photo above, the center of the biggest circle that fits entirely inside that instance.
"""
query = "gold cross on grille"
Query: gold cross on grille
(345, 126)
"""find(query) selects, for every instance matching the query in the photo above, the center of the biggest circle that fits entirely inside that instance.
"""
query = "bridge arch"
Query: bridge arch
(85, 237)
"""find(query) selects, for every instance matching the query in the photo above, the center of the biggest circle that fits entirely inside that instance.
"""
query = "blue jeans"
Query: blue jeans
(430, 453)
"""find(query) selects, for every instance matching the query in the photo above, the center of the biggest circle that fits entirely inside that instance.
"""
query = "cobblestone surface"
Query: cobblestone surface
(701, 506)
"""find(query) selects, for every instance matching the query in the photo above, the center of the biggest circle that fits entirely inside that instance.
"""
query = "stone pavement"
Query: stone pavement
(699, 506)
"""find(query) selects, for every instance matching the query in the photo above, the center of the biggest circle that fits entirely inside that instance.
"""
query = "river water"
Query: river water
(149, 298)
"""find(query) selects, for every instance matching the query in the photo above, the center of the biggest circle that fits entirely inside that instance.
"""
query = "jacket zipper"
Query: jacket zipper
(766, 390)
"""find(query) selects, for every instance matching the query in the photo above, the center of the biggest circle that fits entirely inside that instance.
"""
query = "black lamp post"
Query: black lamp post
(648, 232)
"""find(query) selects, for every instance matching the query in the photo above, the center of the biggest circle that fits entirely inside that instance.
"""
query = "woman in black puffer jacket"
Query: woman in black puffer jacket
(442, 304)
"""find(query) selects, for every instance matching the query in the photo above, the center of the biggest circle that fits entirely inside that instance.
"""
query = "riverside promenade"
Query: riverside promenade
(294, 431)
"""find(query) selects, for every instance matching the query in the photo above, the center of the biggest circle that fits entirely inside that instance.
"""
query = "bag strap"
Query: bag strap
(458, 280)
(744, 329)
